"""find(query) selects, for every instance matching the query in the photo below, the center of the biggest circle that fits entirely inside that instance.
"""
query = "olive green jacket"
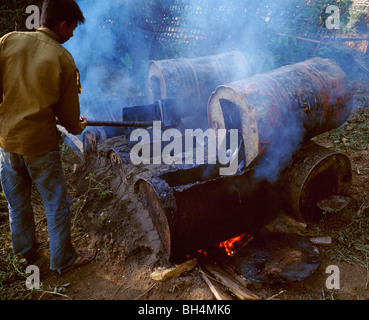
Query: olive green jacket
(38, 82)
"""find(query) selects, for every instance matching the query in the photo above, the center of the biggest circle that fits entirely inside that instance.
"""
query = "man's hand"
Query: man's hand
(83, 123)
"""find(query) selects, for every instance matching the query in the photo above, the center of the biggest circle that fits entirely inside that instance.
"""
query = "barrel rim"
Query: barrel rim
(249, 129)
(164, 224)
(155, 71)
(298, 206)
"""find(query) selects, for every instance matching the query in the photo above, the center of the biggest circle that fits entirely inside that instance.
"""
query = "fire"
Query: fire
(228, 245)
(204, 253)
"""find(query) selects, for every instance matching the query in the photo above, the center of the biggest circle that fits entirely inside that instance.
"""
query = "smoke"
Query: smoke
(119, 38)
(114, 46)
(111, 55)
(286, 139)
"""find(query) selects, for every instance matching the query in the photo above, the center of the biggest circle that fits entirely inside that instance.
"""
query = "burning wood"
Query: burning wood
(228, 245)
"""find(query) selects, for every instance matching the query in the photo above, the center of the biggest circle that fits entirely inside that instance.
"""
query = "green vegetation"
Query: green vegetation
(350, 230)
(13, 15)
(100, 186)
(353, 137)
(358, 22)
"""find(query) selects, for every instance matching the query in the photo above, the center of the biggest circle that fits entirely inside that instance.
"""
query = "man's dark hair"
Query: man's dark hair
(56, 11)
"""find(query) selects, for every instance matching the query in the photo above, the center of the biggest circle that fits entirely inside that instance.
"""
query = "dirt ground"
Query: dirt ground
(128, 248)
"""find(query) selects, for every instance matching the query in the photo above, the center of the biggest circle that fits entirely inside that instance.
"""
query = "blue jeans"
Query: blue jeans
(17, 173)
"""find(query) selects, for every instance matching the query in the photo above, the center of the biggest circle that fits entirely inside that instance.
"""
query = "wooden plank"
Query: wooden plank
(245, 282)
(226, 279)
(165, 274)
(218, 294)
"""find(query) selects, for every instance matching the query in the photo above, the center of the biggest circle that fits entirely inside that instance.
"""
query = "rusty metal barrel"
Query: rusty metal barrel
(315, 174)
(194, 208)
(297, 101)
(192, 80)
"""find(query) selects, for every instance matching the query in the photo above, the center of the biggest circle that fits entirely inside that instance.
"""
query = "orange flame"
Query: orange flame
(229, 244)
(204, 253)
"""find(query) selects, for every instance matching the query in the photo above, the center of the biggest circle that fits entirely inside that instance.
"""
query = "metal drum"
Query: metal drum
(194, 208)
(191, 82)
(288, 105)
(316, 173)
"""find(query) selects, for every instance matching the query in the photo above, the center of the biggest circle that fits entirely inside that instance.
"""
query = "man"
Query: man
(38, 83)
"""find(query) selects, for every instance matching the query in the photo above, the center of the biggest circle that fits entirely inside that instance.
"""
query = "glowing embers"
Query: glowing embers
(239, 242)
